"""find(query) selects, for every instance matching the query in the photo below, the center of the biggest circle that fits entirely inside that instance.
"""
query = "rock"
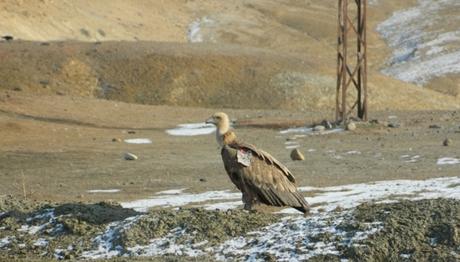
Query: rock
(291, 138)
(131, 132)
(319, 128)
(447, 142)
(8, 38)
(130, 156)
(44, 83)
(297, 155)
(435, 126)
(394, 125)
(203, 180)
(17, 89)
(116, 139)
(351, 126)
(326, 124)
(374, 121)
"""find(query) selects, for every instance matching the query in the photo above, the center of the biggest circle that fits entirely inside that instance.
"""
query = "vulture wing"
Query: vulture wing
(260, 173)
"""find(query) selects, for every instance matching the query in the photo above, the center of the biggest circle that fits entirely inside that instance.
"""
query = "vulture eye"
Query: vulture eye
(218, 117)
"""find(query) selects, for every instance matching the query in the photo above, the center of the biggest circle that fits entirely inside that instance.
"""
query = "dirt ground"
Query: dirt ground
(57, 148)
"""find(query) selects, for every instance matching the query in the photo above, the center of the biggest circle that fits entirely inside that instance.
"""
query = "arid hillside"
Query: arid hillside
(238, 54)
(206, 75)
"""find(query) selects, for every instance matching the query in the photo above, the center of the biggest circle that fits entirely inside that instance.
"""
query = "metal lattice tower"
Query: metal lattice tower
(351, 60)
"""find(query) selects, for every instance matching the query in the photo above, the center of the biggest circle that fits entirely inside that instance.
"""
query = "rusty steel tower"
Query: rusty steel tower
(351, 93)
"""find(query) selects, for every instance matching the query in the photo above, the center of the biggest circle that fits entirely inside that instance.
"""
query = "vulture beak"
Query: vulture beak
(210, 121)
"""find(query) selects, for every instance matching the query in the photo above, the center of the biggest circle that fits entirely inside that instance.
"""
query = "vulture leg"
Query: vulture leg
(249, 198)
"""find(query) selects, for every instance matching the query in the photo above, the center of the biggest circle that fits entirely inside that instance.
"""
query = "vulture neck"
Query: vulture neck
(223, 134)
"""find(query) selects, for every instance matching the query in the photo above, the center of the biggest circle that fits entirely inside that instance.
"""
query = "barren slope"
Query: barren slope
(203, 75)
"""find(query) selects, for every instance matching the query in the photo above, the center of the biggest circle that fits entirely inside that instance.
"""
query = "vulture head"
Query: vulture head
(222, 123)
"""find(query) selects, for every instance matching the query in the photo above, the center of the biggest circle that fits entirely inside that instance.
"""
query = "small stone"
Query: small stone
(17, 89)
(297, 155)
(374, 121)
(131, 132)
(394, 125)
(130, 156)
(116, 139)
(435, 126)
(351, 126)
(203, 180)
(326, 124)
(319, 128)
(291, 138)
(447, 142)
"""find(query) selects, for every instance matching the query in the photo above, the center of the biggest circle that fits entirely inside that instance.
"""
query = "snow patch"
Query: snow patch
(143, 205)
(353, 152)
(171, 191)
(422, 47)
(5, 241)
(193, 129)
(167, 246)
(47, 215)
(294, 239)
(310, 131)
(328, 198)
(411, 159)
(223, 205)
(195, 29)
(448, 161)
(41, 242)
(138, 141)
(103, 190)
(349, 196)
(104, 243)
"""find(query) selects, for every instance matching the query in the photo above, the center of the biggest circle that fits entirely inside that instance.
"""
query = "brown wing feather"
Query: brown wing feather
(266, 177)
(266, 157)
(231, 166)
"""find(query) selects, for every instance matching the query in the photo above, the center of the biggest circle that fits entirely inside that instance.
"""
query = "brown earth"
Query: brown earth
(204, 75)
(296, 61)
(56, 148)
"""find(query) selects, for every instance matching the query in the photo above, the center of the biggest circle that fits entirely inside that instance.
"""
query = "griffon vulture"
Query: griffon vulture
(259, 176)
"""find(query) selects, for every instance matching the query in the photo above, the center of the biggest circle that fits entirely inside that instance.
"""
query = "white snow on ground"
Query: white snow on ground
(310, 131)
(5, 241)
(448, 161)
(411, 159)
(167, 246)
(47, 215)
(293, 239)
(103, 190)
(41, 242)
(349, 196)
(104, 242)
(223, 205)
(171, 191)
(180, 200)
(329, 198)
(138, 141)
(422, 46)
(193, 129)
(195, 29)
(291, 144)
